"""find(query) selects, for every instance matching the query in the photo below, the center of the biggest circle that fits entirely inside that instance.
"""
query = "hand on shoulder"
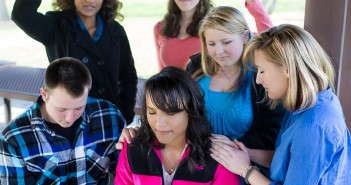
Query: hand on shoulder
(127, 134)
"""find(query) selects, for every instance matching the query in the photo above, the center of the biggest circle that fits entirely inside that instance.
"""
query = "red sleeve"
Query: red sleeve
(263, 22)
(124, 174)
(157, 28)
(225, 177)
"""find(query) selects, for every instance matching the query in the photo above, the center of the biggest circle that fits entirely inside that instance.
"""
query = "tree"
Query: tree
(3, 11)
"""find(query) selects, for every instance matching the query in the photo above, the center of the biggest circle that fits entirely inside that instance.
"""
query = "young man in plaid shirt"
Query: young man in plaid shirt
(66, 137)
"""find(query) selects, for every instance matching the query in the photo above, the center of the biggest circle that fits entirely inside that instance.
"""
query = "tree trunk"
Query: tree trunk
(3, 11)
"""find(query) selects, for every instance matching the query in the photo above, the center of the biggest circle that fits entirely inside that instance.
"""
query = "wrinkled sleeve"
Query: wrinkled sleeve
(263, 22)
(127, 81)
(12, 167)
(124, 174)
(157, 45)
(312, 151)
(36, 25)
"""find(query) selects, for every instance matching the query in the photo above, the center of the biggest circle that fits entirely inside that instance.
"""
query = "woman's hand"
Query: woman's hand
(127, 134)
(233, 155)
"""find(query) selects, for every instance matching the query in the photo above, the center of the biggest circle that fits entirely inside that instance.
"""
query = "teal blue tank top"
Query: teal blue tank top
(229, 113)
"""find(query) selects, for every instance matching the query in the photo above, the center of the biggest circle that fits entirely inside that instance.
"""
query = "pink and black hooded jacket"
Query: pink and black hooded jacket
(136, 166)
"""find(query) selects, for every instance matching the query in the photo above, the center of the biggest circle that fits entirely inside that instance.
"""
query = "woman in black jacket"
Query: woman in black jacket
(235, 105)
(86, 31)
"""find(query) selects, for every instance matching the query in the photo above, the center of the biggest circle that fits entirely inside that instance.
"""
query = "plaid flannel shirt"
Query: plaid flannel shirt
(31, 153)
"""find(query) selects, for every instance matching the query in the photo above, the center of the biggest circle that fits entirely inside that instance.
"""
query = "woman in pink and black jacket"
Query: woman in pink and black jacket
(172, 145)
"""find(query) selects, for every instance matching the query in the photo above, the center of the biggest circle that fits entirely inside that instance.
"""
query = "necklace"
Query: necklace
(227, 77)
(175, 166)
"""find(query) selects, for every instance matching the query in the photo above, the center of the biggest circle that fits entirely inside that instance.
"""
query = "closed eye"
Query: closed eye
(151, 111)
(259, 71)
(171, 113)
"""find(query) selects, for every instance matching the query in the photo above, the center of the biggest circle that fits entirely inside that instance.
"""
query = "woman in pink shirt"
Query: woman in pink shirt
(176, 36)
(173, 142)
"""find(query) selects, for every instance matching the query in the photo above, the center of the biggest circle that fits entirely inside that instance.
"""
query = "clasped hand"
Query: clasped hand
(233, 155)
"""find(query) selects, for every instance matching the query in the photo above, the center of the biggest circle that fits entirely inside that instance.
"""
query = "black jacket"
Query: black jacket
(109, 60)
(145, 162)
(266, 122)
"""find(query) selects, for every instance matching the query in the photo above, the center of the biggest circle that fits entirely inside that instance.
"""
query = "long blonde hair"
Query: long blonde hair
(308, 65)
(226, 19)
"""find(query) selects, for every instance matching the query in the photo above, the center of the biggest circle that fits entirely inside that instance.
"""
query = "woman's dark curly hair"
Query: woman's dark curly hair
(110, 9)
(171, 20)
(173, 90)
